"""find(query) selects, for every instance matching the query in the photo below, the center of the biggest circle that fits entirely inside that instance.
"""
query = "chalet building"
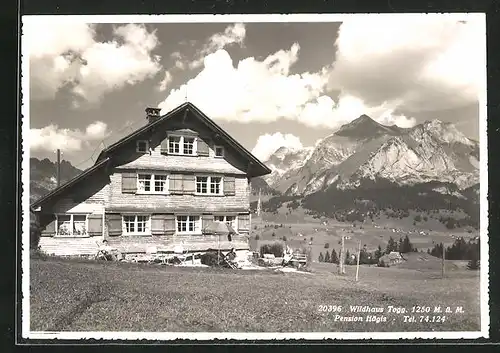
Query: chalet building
(157, 187)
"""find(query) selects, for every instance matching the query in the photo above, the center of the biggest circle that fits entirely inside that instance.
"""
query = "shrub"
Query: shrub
(274, 234)
(276, 249)
(327, 245)
(473, 265)
(257, 237)
(382, 264)
(210, 258)
(284, 238)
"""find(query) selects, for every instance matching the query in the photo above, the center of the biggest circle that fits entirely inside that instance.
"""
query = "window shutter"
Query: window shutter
(157, 224)
(229, 186)
(202, 146)
(175, 184)
(189, 184)
(114, 222)
(169, 224)
(129, 183)
(164, 146)
(243, 222)
(95, 224)
(50, 228)
(206, 219)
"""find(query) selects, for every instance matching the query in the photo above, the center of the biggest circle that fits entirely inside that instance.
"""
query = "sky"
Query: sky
(267, 84)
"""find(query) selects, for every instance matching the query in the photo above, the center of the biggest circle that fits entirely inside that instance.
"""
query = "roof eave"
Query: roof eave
(76, 179)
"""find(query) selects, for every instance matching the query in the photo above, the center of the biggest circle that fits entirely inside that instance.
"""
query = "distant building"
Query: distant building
(393, 258)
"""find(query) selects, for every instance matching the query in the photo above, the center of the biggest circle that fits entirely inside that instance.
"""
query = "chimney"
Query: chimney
(152, 114)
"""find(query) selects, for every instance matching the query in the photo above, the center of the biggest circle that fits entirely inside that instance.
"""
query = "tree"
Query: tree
(327, 256)
(334, 258)
(284, 238)
(327, 245)
(347, 257)
(405, 246)
(378, 253)
(320, 258)
(437, 251)
(391, 246)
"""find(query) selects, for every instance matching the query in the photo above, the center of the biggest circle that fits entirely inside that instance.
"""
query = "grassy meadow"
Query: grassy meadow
(82, 295)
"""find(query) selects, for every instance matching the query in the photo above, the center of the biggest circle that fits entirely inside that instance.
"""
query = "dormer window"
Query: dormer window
(219, 151)
(142, 146)
(181, 145)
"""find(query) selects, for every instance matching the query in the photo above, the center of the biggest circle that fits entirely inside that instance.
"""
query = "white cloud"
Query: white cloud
(252, 91)
(67, 53)
(413, 63)
(165, 82)
(387, 68)
(267, 144)
(265, 90)
(51, 137)
(96, 130)
(180, 65)
(234, 34)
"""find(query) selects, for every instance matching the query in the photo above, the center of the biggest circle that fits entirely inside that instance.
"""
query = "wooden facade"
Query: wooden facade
(157, 187)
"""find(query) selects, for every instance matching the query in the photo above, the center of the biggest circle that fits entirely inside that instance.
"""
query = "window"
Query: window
(188, 224)
(181, 145)
(71, 225)
(152, 183)
(209, 185)
(231, 220)
(215, 186)
(188, 145)
(174, 143)
(219, 151)
(136, 224)
(142, 146)
(201, 185)
(160, 183)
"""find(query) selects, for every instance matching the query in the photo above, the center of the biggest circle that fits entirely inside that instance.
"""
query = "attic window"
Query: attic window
(219, 151)
(142, 146)
(181, 145)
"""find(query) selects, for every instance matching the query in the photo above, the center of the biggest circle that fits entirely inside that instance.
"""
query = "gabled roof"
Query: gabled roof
(106, 154)
(262, 169)
(69, 183)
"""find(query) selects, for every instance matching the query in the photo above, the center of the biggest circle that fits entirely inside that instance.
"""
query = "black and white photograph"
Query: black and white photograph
(254, 177)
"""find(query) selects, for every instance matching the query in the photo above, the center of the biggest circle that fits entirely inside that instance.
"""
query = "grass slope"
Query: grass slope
(78, 295)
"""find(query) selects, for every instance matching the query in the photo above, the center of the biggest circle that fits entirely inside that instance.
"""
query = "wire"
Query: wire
(128, 126)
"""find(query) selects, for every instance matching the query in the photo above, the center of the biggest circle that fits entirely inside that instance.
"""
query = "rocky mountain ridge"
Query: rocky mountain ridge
(364, 149)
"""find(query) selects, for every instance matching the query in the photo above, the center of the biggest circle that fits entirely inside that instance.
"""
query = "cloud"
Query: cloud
(265, 90)
(324, 111)
(67, 54)
(416, 63)
(267, 144)
(165, 82)
(234, 34)
(51, 137)
(252, 91)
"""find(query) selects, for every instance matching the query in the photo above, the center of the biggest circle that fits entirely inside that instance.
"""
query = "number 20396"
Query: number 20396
(329, 308)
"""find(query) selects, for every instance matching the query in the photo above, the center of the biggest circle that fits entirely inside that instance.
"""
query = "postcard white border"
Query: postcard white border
(484, 278)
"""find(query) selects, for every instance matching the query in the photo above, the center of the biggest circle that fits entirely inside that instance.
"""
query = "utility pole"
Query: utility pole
(442, 262)
(58, 167)
(341, 257)
(357, 265)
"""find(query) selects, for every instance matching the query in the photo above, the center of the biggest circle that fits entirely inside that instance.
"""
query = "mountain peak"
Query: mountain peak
(364, 127)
